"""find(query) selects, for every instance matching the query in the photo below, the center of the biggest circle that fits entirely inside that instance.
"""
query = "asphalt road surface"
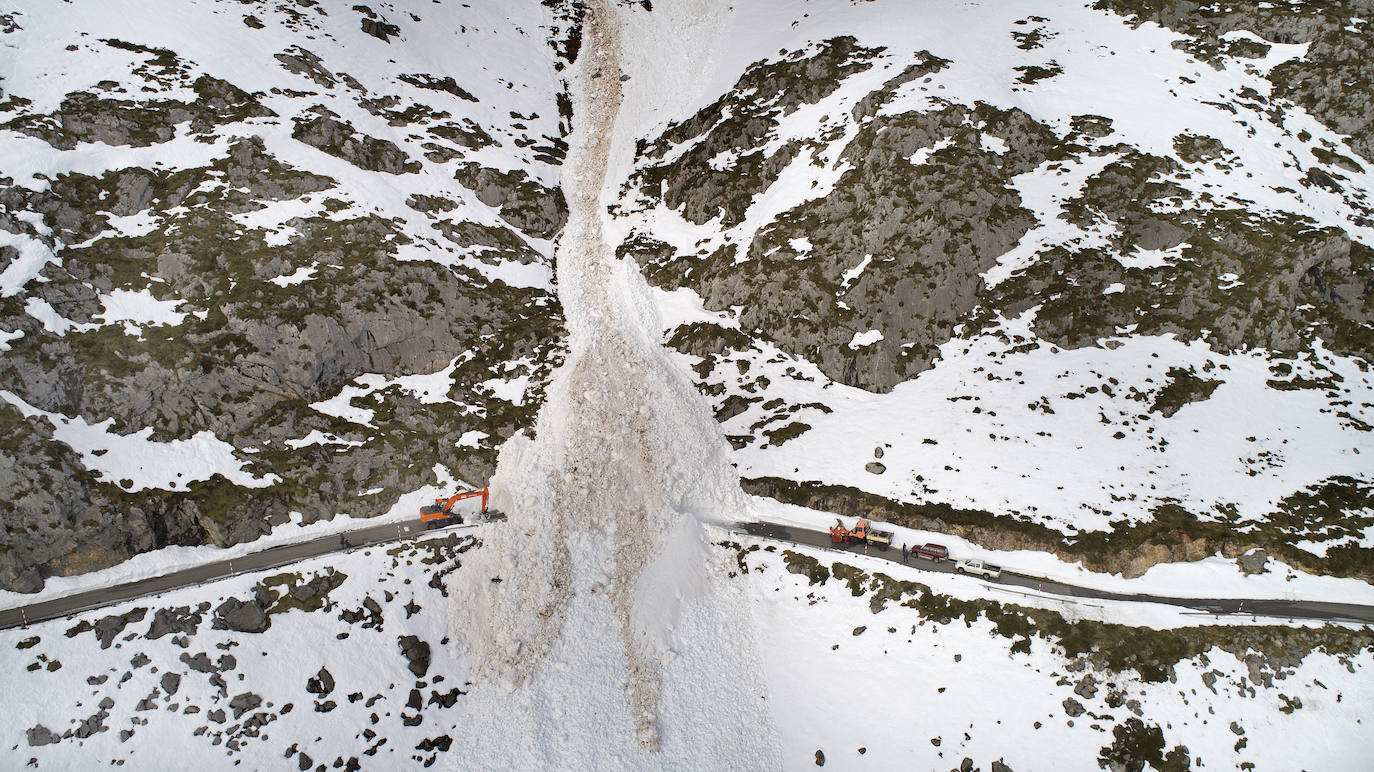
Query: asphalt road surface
(281, 555)
(1285, 609)
(208, 572)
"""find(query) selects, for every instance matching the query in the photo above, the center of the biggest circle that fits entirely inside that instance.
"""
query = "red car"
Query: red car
(936, 552)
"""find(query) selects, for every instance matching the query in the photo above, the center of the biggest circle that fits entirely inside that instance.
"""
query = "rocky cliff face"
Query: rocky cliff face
(325, 264)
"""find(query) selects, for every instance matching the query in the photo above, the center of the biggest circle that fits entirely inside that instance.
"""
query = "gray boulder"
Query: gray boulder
(242, 616)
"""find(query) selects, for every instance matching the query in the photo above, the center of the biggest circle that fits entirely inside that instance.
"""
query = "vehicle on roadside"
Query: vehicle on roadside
(978, 568)
(863, 532)
(932, 551)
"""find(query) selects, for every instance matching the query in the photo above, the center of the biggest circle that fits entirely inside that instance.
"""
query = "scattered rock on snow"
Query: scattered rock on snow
(321, 684)
(241, 616)
(242, 703)
(169, 620)
(1253, 562)
(416, 653)
(41, 735)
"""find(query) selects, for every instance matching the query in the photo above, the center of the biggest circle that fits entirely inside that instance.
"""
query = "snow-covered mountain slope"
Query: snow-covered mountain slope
(1050, 277)
(264, 262)
(1081, 285)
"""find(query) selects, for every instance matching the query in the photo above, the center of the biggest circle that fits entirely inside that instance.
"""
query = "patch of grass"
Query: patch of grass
(1136, 744)
(291, 591)
(1031, 73)
(1184, 387)
(797, 563)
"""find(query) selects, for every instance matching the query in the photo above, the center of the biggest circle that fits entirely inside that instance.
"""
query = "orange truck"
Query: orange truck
(863, 532)
(440, 513)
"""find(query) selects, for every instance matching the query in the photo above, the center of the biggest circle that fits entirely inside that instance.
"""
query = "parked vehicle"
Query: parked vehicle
(979, 568)
(935, 552)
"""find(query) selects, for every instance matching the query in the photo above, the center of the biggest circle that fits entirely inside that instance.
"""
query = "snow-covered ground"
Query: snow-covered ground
(167, 706)
(892, 690)
(909, 690)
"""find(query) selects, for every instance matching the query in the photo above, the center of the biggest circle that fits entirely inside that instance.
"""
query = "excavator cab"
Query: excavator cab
(441, 513)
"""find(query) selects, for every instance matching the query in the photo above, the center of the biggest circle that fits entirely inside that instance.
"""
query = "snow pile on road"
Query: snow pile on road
(596, 610)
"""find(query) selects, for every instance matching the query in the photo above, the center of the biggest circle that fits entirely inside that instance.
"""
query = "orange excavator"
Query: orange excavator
(441, 513)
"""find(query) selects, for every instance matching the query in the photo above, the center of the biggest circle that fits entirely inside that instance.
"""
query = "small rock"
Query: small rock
(1073, 707)
(216, 715)
(1255, 561)
(1087, 686)
(241, 616)
(242, 703)
(171, 682)
(416, 653)
(321, 684)
(820, 758)
(173, 620)
(199, 663)
(41, 735)
(875, 467)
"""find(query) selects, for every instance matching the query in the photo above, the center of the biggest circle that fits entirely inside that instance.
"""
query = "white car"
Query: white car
(978, 567)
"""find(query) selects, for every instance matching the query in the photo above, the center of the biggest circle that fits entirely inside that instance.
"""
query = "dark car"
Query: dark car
(936, 552)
